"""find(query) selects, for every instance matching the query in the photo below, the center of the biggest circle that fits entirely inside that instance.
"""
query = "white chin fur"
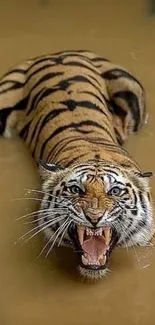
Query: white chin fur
(92, 275)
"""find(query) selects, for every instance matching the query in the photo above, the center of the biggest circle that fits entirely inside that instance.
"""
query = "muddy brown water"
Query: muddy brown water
(48, 291)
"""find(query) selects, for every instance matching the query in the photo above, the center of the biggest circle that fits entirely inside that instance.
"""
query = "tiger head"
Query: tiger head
(94, 208)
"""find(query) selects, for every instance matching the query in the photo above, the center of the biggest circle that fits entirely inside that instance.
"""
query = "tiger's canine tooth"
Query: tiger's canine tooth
(107, 235)
(81, 231)
(103, 260)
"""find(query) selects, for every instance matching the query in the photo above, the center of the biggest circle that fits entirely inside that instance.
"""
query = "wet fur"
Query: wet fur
(74, 109)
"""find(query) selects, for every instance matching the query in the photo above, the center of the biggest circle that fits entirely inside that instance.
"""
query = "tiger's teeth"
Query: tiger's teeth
(98, 232)
(80, 231)
(103, 260)
(89, 232)
(107, 235)
(84, 260)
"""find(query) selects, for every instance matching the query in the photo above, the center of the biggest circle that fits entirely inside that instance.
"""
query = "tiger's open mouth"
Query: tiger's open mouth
(96, 246)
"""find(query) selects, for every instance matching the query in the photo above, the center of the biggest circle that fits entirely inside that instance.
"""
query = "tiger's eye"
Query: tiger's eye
(75, 189)
(115, 191)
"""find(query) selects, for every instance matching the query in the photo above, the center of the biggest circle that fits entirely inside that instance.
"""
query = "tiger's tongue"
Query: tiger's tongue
(95, 247)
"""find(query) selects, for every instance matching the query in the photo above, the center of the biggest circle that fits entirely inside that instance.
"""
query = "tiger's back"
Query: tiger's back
(71, 100)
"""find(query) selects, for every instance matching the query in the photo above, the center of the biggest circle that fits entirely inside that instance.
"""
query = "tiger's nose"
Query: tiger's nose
(94, 218)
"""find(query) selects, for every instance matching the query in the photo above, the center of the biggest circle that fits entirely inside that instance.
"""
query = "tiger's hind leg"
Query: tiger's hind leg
(12, 99)
(126, 98)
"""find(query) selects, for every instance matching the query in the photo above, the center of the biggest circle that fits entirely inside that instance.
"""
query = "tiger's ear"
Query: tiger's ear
(144, 174)
(142, 180)
(46, 169)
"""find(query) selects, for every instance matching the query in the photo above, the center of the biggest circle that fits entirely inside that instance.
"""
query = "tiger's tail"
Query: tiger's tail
(127, 98)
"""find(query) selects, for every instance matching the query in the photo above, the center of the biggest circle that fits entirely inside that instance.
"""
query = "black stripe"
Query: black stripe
(84, 167)
(5, 112)
(39, 96)
(110, 171)
(128, 184)
(90, 76)
(90, 123)
(34, 131)
(46, 77)
(135, 197)
(39, 60)
(95, 124)
(74, 126)
(99, 59)
(133, 103)
(119, 73)
(117, 109)
(35, 100)
(113, 149)
(38, 70)
(59, 161)
(74, 159)
(55, 198)
(94, 95)
(130, 223)
(70, 139)
(56, 146)
(64, 84)
(72, 104)
(67, 141)
(119, 139)
(77, 54)
(134, 211)
(53, 57)
(142, 201)
(81, 65)
(24, 132)
(14, 71)
(149, 196)
(142, 223)
(49, 117)
(82, 173)
(71, 148)
(16, 85)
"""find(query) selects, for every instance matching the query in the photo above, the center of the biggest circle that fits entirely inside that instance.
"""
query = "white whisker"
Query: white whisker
(57, 233)
(40, 200)
(69, 222)
(133, 245)
(44, 247)
(40, 211)
(49, 222)
(45, 215)
(51, 195)
(75, 215)
(63, 233)
(43, 228)
(28, 198)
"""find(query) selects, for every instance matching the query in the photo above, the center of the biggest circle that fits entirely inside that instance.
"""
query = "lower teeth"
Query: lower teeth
(102, 261)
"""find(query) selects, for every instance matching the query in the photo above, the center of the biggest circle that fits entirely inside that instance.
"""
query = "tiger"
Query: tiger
(74, 110)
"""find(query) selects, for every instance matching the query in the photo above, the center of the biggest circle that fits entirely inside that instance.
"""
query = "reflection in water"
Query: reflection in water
(48, 290)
